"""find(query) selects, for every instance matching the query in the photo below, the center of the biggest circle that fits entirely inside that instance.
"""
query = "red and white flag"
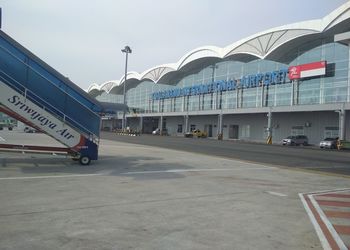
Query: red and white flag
(307, 70)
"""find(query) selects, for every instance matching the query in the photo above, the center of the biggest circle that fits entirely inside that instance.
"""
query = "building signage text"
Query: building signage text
(249, 81)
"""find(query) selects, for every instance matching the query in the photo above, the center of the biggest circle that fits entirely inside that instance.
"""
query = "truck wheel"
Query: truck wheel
(84, 160)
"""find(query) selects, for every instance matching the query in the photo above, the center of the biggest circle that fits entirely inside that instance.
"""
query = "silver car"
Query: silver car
(329, 143)
(296, 140)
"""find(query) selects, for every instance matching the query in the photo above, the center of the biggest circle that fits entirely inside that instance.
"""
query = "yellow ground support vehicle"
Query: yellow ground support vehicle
(342, 144)
(200, 134)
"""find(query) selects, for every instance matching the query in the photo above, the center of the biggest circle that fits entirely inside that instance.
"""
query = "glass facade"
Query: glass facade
(331, 88)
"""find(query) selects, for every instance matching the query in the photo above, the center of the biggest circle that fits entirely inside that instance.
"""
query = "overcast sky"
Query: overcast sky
(82, 39)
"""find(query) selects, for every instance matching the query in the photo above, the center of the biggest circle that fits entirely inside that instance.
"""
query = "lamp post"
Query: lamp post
(126, 50)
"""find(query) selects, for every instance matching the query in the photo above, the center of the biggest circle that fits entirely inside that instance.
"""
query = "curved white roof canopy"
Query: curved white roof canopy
(268, 44)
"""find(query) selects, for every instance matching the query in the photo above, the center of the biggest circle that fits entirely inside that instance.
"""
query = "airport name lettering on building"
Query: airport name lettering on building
(249, 81)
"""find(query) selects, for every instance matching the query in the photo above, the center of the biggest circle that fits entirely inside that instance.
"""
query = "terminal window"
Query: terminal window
(179, 128)
(297, 130)
(331, 132)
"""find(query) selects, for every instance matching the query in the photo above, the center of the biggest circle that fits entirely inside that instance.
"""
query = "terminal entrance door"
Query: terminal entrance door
(208, 128)
(233, 132)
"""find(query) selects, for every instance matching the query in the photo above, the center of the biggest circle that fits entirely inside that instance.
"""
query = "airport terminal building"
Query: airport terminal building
(289, 80)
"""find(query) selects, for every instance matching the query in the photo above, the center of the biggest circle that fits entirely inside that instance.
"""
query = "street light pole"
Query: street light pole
(126, 50)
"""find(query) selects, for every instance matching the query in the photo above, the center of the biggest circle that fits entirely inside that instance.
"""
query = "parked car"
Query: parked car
(329, 143)
(188, 134)
(296, 140)
(158, 132)
(29, 130)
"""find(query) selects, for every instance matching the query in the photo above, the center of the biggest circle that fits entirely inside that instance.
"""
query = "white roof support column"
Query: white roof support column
(344, 38)
(161, 125)
(141, 124)
(269, 127)
(186, 118)
(220, 126)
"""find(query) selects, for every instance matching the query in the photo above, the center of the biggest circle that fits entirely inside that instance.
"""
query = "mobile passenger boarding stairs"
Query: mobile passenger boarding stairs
(36, 94)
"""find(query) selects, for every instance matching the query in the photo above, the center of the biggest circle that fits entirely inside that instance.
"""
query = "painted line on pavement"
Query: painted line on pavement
(328, 224)
(49, 176)
(330, 191)
(335, 195)
(195, 170)
(326, 232)
(319, 232)
(2, 139)
(276, 193)
(325, 167)
(334, 203)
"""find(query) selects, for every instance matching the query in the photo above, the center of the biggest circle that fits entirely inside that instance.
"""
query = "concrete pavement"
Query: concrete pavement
(142, 197)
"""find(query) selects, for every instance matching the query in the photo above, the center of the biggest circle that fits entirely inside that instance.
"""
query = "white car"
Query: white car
(29, 130)
(329, 143)
(156, 131)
